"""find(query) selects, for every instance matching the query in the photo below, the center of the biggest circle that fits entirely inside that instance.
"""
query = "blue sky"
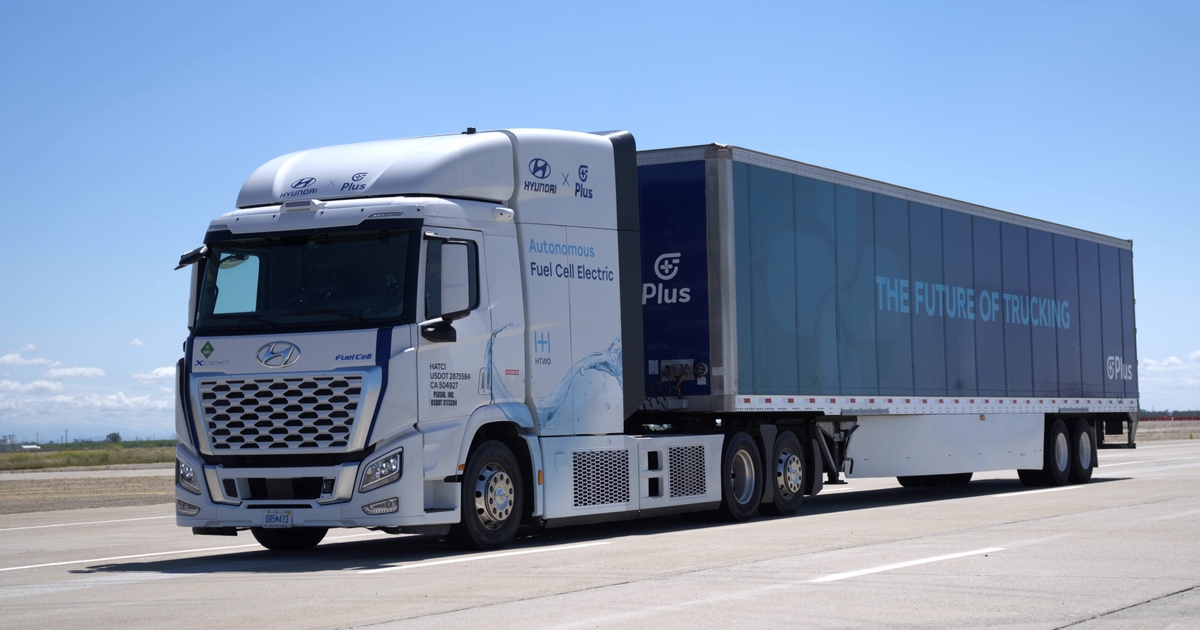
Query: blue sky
(126, 127)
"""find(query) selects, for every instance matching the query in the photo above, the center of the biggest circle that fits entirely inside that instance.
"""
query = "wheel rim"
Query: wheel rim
(742, 477)
(1085, 450)
(789, 474)
(1062, 451)
(493, 496)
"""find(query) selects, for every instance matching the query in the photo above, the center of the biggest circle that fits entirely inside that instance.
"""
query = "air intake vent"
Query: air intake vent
(601, 477)
(686, 467)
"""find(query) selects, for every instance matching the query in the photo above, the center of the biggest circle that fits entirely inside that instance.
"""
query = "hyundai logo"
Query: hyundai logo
(539, 168)
(278, 354)
(304, 182)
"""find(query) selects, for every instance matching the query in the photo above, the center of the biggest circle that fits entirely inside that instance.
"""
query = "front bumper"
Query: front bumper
(342, 506)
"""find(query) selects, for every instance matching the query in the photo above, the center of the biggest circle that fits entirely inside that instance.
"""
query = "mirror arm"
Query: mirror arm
(192, 257)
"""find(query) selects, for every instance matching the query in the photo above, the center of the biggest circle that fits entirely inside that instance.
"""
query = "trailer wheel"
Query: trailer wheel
(788, 462)
(1083, 452)
(294, 539)
(492, 499)
(1056, 467)
(912, 481)
(1030, 478)
(741, 479)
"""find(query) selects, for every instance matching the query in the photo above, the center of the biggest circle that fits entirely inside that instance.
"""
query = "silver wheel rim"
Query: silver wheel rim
(789, 474)
(1062, 451)
(1085, 450)
(742, 477)
(493, 496)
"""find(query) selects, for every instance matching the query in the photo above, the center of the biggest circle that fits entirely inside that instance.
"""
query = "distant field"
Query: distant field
(90, 454)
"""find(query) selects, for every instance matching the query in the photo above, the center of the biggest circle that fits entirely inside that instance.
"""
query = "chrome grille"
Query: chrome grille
(686, 465)
(315, 411)
(601, 477)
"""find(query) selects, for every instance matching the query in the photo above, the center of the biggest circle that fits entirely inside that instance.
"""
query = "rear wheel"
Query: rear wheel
(1056, 466)
(788, 462)
(1083, 452)
(492, 499)
(293, 539)
(913, 481)
(741, 479)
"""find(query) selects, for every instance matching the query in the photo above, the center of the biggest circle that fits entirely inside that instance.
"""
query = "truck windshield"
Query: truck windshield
(328, 280)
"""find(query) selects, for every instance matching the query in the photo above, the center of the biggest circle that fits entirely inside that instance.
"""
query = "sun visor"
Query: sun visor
(471, 166)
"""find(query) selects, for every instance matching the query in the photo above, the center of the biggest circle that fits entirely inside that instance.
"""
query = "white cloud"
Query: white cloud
(137, 343)
(1170, 383)
(25, 348)
(36, 387)
(113, 401)
(15, 358)
(157, 374)
(74, 372)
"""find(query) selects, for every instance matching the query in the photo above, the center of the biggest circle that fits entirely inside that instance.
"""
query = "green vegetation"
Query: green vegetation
(90, 454)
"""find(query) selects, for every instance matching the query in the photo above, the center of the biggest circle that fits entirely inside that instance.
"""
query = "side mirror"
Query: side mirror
(438, 330)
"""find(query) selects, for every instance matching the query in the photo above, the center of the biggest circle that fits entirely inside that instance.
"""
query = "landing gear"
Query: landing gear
(492, 499)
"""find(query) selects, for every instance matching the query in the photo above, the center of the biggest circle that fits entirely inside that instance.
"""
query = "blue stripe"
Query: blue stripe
(383, 354)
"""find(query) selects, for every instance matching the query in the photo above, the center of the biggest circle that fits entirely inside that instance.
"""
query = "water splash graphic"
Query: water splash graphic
(606, 361)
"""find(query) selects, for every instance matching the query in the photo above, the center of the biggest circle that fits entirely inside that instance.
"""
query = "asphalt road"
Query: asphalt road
(1123, 551)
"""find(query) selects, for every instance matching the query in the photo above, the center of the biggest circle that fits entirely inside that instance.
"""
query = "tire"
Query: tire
(492, 499)
(293, 539)
(959, 479)
(741, 478)
(1056, 455)
(912, 481)
(1030, 478)
(1083, 452)
(786, 471)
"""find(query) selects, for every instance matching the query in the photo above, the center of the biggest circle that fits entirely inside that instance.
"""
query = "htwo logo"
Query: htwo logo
(665, 267)
(1117, 369)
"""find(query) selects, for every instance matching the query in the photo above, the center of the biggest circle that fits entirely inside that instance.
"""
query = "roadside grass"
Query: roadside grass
(90, 454)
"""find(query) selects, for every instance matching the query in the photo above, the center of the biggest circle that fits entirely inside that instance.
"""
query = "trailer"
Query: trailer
(461, 334)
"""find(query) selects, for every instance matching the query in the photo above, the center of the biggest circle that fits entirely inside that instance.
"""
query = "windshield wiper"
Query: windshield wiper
(330, 311)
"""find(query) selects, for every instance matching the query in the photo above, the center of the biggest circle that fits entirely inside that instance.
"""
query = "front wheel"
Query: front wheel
(294, 539)
(492, 499)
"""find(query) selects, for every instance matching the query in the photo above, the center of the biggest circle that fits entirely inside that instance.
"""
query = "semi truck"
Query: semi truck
(459, 335)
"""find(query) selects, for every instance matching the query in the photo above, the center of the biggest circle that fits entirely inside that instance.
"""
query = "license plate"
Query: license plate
(277, 519)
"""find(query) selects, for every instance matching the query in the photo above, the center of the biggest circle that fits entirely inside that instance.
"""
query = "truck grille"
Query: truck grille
(282, 412)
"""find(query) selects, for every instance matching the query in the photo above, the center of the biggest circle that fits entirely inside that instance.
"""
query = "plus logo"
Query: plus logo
(666, 266)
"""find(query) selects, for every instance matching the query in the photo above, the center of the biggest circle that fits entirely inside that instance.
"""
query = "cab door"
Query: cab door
(452, 341)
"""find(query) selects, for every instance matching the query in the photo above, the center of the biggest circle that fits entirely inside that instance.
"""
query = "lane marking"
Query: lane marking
(487, 556)
(1025, 492)
(119, 520)
(902, 565)
(158, 553)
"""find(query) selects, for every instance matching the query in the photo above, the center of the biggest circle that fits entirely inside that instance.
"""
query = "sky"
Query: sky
(125, 128)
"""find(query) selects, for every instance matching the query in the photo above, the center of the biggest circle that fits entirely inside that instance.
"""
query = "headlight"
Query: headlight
(185, 476)
(381, 472)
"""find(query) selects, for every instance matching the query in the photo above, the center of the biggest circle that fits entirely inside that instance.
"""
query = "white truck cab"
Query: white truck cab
(396, 334)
